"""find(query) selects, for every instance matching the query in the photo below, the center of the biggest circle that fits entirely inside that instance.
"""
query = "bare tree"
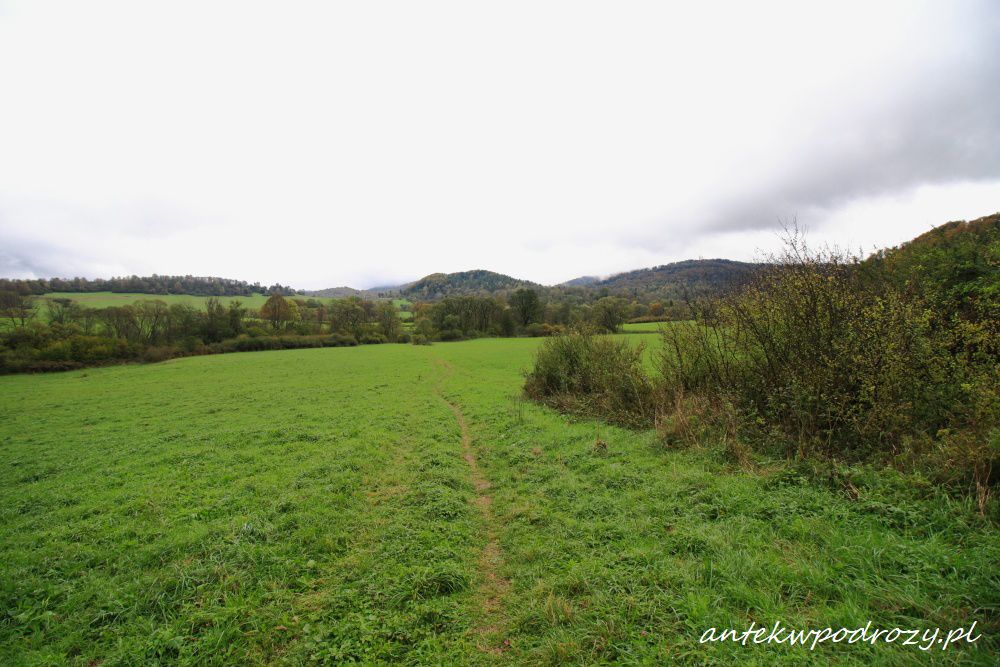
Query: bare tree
(18, 307)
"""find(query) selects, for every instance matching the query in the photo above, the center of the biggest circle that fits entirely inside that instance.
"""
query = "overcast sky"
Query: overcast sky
(370, 142)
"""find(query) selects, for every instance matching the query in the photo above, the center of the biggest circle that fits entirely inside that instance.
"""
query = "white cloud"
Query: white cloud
(322, 144)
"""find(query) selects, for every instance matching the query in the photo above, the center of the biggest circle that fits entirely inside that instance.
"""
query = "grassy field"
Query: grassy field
(393, 503)
(643, 327)
(107, 299)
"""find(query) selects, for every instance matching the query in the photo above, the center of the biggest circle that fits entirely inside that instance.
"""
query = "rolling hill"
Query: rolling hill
(582, 281)
(337, 292)
(690, 277)
(693, 277)
(464, 283)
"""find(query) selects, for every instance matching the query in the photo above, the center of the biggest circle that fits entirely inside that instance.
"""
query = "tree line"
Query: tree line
(59, 333)
(193, 285)
(524, 312)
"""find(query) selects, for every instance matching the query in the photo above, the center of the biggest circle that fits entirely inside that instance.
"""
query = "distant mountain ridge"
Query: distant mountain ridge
(690, 277)
(959, 242)
(675, 280)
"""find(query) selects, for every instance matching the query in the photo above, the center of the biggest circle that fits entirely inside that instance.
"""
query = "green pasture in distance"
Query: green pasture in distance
(644, 327)
(107, 299)
(404, 315)
(319, 506)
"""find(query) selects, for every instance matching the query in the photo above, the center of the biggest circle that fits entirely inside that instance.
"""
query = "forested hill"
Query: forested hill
(193, 285)
(670, 281)
(693, 277)
(343, 292)
(463, 283)
(956, 266)
(582, 281)
(336, 292)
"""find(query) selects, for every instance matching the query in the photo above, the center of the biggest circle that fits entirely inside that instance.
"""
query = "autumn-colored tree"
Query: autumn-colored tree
(278, 311)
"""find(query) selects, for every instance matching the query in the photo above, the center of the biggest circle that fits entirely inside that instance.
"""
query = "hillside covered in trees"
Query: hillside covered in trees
(695, 277)
(337, 292)
(463, 283)
(582, 281)
(676, 281)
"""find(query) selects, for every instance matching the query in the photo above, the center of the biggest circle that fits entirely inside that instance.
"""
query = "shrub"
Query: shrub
(262, 343)
(537, 329)
(829, 356)
(16, 365)
(823, 353)
(372, 338)
(340, 340)
(969, 453)
(157, 354)
(38, 350)
(420, 339)
(594, 375)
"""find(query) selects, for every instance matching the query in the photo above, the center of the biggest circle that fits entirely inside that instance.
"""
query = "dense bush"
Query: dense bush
(156, 354)
(38, 349)
(809, 349)
(371, 338)
(544, 329)
(827, 355)
(820, 355)
(594, 375)
(260, 343)
(10, 363)
(340, 340)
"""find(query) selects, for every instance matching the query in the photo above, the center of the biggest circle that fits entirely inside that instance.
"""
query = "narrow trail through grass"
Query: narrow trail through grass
(492, 586)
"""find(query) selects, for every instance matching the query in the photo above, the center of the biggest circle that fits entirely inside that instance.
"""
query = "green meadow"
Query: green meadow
(404, 504)
(643, 327)
(108, 299)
